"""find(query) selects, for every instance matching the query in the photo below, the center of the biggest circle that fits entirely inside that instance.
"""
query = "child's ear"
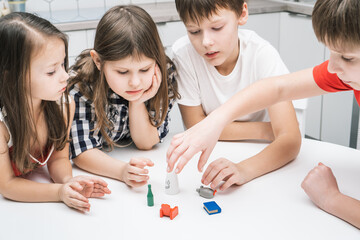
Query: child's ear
(244, 15)
(95, 57)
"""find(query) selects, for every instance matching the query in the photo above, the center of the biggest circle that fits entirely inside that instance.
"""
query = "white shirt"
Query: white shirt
(201, 84)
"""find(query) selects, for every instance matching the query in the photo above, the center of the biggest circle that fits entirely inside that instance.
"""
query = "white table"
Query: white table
(271, 207)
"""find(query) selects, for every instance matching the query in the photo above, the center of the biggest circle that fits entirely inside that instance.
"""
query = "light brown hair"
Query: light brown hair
(196, 10)
(337, 22)
(123, 31)
(19, 38)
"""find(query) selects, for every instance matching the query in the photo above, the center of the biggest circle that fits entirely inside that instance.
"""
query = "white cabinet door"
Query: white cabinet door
(300, 49)
(266, 25)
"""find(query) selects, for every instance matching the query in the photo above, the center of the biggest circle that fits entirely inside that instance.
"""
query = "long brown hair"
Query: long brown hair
(123, 31)
(19, 38)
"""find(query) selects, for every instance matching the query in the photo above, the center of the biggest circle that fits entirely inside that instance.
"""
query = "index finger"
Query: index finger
(175, 142)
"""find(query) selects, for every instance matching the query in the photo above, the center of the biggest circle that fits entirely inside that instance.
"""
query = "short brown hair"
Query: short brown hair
(337, 22)
(196, 10)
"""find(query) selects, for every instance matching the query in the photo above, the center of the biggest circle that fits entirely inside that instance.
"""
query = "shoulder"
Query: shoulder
(181, 44)
(182, 50)
(252, 42)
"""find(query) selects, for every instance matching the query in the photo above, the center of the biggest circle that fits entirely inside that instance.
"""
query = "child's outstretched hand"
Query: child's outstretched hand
(69, 193)
(321, 186)
(92, 186)
(202, 137)
(134, 173)
(151, 92)
(222, 170)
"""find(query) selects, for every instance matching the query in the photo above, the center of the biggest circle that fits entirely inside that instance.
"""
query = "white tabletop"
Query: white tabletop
(273, 206)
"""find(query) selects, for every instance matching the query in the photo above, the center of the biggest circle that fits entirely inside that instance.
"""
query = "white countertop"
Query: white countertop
(270, 207)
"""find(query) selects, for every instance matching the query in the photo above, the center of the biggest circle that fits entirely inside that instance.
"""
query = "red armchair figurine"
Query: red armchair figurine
(166, 210)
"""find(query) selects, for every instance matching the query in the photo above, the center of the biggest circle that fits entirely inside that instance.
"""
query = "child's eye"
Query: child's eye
(144, 70)
(122, 73)
(346, 59)
(51, 73)
(218, 28)
(194, 32)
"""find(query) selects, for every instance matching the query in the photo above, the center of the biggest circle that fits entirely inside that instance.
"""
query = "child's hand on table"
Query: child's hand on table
(134, 173)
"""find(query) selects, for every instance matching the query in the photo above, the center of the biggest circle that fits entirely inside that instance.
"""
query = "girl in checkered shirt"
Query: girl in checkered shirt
(124, 89)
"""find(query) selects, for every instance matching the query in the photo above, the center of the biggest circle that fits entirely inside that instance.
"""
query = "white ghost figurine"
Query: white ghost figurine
(171, 184)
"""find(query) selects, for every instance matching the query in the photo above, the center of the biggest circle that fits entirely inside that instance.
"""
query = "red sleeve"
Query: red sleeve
(327, 81)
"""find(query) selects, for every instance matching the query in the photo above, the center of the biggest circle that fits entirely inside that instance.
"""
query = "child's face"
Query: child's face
(48, 75)
(346, 64)
(216, 38)
(130, 77)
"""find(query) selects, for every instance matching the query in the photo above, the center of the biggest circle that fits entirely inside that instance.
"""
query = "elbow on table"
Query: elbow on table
(144, 146)
(294, 145)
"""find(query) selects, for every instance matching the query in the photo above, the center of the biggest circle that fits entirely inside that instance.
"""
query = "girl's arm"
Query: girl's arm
(204, 135)
(144, 135)
(133, 173)
(191, 115)
(20, 189)
(59, 165)
(281, 151)
(60, 169)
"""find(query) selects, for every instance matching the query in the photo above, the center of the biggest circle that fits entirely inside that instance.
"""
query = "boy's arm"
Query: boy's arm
(282, 150)
(321, 186)
(346, 208)
(204, 135)
(191, 115)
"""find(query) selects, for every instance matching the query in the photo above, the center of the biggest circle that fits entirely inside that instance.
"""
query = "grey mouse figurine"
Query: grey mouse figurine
(206, 192)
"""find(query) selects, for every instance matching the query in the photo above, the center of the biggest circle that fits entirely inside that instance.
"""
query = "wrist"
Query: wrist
(66, 179)
(333, 202)
(122, 167)
(135, 104)
(245, 176)
(219, 118)
(59, 189)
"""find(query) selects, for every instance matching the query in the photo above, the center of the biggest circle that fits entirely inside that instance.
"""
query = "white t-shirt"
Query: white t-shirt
(201, 84)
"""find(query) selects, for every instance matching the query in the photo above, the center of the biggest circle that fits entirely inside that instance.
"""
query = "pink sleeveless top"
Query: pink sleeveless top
(40, 161)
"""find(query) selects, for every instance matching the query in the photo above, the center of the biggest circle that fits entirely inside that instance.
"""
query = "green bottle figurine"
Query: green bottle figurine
(150, 197)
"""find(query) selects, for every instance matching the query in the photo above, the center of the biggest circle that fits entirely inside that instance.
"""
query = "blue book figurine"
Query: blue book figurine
(212, 207)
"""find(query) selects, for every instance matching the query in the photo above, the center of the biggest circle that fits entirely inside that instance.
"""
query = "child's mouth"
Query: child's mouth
(211, 54)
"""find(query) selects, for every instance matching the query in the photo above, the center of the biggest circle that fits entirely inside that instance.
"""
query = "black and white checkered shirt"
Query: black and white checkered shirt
(82, 138)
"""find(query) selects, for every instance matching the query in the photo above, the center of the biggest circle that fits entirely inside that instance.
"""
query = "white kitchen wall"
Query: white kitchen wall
(58, 5)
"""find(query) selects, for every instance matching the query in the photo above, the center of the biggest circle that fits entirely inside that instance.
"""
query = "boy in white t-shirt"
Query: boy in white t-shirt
(215, 61)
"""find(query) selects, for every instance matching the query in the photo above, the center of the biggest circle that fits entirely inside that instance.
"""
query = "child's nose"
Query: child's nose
(64, 76)
(134, 81)
(207, 39)
(334, 66)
